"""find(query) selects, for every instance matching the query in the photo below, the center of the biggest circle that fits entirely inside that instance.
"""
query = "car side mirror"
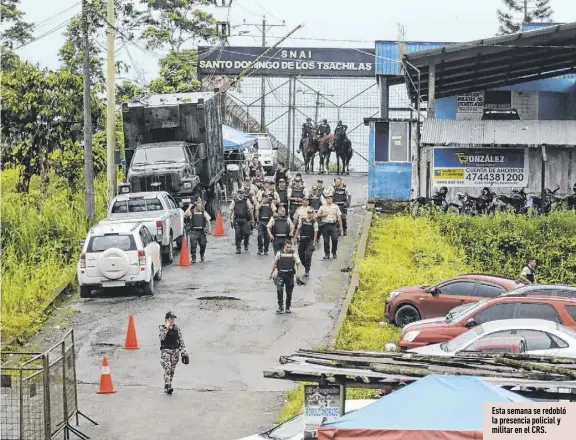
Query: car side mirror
(434, 290)
(158, 238)
(470, 323)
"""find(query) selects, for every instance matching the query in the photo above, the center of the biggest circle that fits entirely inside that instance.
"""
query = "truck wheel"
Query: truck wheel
(158, 275)
(149, 288)
(85, 292)
(168, 255)
(179, 242)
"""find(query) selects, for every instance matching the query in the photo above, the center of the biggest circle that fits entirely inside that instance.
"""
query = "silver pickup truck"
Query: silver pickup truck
(158, 211)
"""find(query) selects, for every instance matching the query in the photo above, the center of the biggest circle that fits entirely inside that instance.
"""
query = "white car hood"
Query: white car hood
(430, 350)
(423, 321)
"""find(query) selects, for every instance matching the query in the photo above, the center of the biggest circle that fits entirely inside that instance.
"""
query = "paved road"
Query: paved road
(222, 394)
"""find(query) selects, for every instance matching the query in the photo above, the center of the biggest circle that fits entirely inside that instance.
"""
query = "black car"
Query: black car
(544, 290)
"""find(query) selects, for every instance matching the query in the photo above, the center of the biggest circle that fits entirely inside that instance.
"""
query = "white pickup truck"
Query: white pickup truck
(158, 211)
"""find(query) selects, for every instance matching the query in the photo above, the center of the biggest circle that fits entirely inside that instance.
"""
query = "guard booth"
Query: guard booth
(392, 144)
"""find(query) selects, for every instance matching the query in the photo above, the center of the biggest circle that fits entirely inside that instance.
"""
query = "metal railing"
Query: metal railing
(38, 393)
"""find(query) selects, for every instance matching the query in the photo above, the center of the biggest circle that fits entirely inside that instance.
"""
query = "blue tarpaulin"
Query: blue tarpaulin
(452, 405)
(236, 140)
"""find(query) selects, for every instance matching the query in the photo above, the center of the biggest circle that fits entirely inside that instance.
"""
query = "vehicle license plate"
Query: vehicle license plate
(114, 284)
(186, 200)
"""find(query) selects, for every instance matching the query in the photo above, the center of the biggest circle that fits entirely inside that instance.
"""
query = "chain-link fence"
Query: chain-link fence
(38, 393)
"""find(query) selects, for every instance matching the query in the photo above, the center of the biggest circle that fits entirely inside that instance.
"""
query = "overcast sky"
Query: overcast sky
(335, 20)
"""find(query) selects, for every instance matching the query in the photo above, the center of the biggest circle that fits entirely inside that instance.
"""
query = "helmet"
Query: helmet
(443, 190)
(485, 190)
(339, 122)
(325, 121)
(308, 119)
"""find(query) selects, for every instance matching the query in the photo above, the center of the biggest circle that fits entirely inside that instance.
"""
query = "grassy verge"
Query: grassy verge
(401, 251)
(39, 248)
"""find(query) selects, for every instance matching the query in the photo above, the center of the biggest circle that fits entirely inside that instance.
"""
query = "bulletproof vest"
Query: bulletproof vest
(286, 262)
(241, 209)
(283, 194)
(253, 170)
(280, 175)
(321, 191)
(172, 340)
(198, 220)
(298, 193)
(307, 228)
(281, 227)
(340, 196)
(532, 275)
(315, 202)
(265, 212)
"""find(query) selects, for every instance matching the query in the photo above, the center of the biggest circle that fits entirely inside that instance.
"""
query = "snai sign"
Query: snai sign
(317, 61)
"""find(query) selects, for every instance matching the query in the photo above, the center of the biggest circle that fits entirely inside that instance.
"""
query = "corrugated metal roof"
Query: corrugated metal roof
(437, 131)
(388, 54)
(171, 99)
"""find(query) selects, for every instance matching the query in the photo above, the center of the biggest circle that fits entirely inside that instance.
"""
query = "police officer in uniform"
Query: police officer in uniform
(283, 194)
(316, 199)
(295, 195)
(528, 273)
(342, 199)
(331, 216)
(171, 347)
(323, 128)
(279, 228)
(340, 128)
(269, 190)
(287, 263)
(199, 223)
(281, 173)
(301, 212)
(307, 234)
(320, 186)
(307, 131)
(242, 218)
(266, 209)
(255, 167)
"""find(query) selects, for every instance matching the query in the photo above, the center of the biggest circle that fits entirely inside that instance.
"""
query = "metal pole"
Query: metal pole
(111, 103)
(294, 123)
(263, 85)
(47, 405)
(288, 155)
(342, 399)
(64, 396)
(317, 105)
(74, 375)
(89, 207)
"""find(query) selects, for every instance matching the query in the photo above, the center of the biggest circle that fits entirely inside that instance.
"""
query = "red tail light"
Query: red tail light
(159, 227)
(83, 261)
(142, 260)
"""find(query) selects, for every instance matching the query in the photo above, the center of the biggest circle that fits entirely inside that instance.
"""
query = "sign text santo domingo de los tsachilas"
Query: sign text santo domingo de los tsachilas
(232, 61)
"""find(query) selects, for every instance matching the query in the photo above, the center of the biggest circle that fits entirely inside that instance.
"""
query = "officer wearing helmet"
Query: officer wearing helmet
(340, 128)
(307, 131)
(323, 128)
(287, 263)
(242, 218)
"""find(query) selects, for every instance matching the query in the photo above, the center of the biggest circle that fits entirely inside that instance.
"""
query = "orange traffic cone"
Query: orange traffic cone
(219, 227)
(131, 340)
(184, 254)
(106, 386)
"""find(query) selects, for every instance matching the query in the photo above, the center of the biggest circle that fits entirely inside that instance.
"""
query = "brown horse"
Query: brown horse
(309, 150)
(324, 151)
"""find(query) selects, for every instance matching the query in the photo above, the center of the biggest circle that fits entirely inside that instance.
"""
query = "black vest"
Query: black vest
(315, 202)
(297, 193)
(286, 262)
(171, 340)
(283, 194)
(253, 170)
(532, 275)
(198, 220)
(241, 209)
(281, 227)
(280, 175)
(307, 228)
(265, 212)
(340, 196)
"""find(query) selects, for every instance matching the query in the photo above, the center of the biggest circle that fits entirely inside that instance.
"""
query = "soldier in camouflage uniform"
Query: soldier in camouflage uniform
(171, 345)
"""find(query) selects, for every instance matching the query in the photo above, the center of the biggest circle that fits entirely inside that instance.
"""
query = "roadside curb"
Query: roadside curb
(58, 294)
(355, 279)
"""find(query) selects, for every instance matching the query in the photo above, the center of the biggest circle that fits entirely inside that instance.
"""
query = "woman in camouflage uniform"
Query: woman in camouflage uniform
(171, 346)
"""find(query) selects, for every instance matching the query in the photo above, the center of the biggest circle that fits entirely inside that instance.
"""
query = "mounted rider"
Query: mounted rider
(308, 130)
(340, 129)
(323, 129)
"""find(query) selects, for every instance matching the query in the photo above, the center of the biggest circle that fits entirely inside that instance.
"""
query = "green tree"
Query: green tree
(15, 31)
(127, 91)
(174, 23)
(522, 11)
(177, 73)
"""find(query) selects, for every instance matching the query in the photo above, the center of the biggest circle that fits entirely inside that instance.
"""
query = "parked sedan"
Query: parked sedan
(537, 336)
(410, 304)
(544, 290)
(555, 309)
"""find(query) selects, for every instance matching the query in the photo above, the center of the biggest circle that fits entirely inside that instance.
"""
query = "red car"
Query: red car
(556, 309)
(414, 303)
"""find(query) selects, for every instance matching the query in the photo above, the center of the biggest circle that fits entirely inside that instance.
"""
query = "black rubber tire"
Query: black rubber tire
(85, 292)
(179, 242)
(149, 288)
(406, 314)
(168, 257)
(158, 275)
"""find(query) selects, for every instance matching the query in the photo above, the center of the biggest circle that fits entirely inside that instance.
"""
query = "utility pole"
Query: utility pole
(263, 28)
(111, 104)
(525, 11)
(89, 207)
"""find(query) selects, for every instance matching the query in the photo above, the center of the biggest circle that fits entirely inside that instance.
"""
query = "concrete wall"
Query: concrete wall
(387, 180)
(560, 171)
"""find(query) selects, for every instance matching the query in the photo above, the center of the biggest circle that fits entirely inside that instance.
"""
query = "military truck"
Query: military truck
(174, 143)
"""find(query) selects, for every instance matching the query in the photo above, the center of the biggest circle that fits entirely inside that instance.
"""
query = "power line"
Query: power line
(41, 23)
(49, 32)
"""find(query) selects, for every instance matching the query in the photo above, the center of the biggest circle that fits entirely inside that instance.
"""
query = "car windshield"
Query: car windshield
(136, 205)
(146, 156)
(450, 318)
(264, 145)
(287, 430)
(102, 243)
(462, 341)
